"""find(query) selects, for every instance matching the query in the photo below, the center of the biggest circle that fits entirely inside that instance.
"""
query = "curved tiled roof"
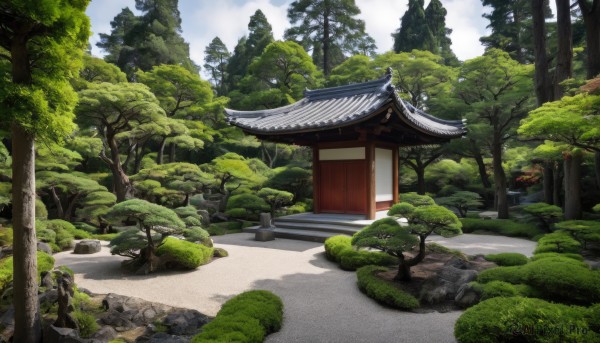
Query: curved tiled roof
(336, 107)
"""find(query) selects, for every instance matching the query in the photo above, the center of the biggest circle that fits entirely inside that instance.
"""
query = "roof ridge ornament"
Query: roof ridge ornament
(389, 72)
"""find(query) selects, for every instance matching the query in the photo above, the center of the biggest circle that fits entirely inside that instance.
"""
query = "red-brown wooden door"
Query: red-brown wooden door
(343, 186)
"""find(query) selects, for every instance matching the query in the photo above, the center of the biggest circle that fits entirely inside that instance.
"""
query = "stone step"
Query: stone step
(325, 221)
(318, 226)
(303, 235)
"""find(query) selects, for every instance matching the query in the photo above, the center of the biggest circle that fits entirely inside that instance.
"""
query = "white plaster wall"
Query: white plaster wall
(342, 154)
(384, 179)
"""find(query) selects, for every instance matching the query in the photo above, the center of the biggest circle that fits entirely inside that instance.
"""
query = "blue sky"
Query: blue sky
(202, 20)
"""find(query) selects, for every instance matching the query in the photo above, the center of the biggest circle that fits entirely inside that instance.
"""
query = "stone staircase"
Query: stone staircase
(317, 227)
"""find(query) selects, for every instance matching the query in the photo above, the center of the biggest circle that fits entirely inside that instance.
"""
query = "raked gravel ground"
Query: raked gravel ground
(322, 302)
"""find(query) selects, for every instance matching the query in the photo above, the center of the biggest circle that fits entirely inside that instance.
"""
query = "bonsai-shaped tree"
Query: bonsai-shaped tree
(245, 206)
(462, 201)
(547, 214)
(275, 198)
(151, 219)
(389, 236)
(582, 230)
(416, 199)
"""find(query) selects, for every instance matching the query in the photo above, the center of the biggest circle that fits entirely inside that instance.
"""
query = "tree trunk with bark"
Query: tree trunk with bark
(556, 187)
(548, 175)
(499, 178)
(161, 151)
(591, 19)
(543, 84)
(564, 55)
(57, 203)
(25, 285)
(572, 167)
(121, 183)
(485, 180)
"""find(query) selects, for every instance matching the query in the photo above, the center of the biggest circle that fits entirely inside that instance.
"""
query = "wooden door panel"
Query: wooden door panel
(356, 187)
(333, 182)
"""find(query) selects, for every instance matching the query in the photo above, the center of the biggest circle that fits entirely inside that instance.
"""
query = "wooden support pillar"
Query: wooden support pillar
(395, 175)
(316, 180)
(370, 159)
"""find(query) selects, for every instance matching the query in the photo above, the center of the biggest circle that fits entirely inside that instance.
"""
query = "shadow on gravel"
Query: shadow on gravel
(247, 240)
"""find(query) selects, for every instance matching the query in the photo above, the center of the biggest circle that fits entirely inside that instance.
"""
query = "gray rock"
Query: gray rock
(45, 247)
(185, 322)
(467, 296)
(264, 235)
(118, 320)
(87, 246)
(49, 297)
(53, 334)
(445, 285)
(7, 320)
(105, 334)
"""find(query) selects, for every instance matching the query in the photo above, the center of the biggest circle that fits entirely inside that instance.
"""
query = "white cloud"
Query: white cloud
(382, 18)
(464, 18)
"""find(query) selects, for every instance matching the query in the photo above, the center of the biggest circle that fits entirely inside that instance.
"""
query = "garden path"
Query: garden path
(322, 302)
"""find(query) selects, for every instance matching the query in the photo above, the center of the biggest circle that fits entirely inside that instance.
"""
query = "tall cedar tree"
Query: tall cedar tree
(260, 34)
(216, 59)
(425, 30)
(590, 9)
(510, 22)
(152, 39)
(326, 24)
(414, 32)
(41, 44)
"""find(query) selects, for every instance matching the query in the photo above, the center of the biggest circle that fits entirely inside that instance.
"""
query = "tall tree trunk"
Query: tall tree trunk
(420, 170)
(403, 270)
(485, 180)
(548, 182)
(57, 203)
(326, 43)
(499, 178)
(161, 151)
(171, 152)
(591, 19)
(71, 206)
(28, 328)
(556, 186)
(543, 86)
(564, 55)
(25, 286)
(572, 166)
(121, 183)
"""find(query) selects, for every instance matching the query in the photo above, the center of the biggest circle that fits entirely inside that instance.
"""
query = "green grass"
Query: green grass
(507, 259)
(503, 227)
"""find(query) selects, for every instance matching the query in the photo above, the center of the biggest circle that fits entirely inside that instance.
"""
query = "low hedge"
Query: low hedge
(197, 234)
(504, 227)
(187, 254)
(57, 224)
(219, 229)
(339, 249)
(559, 241)
(382, 291)
(518, 319)
(543, 255)
(495, 289)
(507, 259)
(564, 279)
(513, 275)
(247, 317)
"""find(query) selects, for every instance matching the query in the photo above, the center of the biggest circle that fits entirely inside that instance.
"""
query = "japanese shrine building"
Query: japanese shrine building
(355, 132)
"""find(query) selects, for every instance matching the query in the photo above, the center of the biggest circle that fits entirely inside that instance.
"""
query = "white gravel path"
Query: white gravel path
(322, 302)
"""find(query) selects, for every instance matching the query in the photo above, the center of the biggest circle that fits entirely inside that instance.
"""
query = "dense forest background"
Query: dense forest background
(147, 126)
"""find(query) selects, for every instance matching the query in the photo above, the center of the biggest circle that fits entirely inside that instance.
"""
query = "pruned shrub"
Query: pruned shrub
(582, 230)
(334, 246)
(186, 254)
(85, 227)
(563, 279)
(339, 249)
(416, 199)
(219, 229)
(504, 227)
(189, 215)
(559, 241)
(512, 275)
(45, 263)
(507, 259)
(197, 234)
(246, 206)
(57, 224)
(593, 317)
(351, 259)
(382, 291)
(40, 210)
(247, 317)
(546, 213)
(518, 319)
(494, 289)
(543, 255)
